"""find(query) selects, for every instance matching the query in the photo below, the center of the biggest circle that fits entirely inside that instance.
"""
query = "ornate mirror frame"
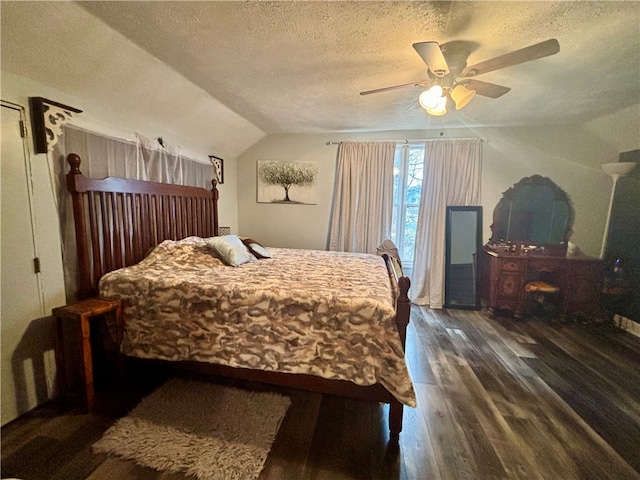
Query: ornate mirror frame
(504, 218)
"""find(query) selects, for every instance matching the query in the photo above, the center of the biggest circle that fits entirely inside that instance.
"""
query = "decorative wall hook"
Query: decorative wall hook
(218, 166)
(47, 119)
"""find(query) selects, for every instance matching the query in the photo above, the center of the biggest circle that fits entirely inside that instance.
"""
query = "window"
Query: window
(407, 187)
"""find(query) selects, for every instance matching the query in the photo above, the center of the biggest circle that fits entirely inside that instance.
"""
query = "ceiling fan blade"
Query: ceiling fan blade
(432, 55)
(394, 87)
(533, 52)
(485, 89)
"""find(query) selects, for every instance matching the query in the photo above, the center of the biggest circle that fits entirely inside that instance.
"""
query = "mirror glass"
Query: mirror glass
(534, 211)
(463, 242)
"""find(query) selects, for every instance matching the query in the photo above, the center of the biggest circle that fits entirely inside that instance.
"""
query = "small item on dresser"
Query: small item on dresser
(573, 250)
(532, 249)
(615, 282)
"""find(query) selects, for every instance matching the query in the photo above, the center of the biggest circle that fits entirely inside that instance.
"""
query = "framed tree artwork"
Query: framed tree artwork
(218, 167)
(287, 182)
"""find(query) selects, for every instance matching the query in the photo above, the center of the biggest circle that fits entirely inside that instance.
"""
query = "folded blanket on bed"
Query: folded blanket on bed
(389, 248)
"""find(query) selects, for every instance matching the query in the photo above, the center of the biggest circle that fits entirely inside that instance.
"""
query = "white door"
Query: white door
(20, 292)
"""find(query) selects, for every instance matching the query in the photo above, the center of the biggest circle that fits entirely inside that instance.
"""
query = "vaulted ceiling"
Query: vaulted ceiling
(298, 67)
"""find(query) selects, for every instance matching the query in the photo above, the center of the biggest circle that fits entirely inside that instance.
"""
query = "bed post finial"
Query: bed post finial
(74, 162)
(214, 190)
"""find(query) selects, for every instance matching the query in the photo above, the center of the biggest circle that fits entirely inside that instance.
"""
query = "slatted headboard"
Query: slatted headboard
(118, 221)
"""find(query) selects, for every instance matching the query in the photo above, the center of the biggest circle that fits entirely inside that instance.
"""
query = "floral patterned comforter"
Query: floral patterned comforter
(328, 314)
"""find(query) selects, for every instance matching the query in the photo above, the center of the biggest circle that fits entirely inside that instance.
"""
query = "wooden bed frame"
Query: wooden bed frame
(117, 221)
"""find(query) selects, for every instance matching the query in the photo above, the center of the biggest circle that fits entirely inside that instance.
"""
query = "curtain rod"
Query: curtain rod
(406, 142)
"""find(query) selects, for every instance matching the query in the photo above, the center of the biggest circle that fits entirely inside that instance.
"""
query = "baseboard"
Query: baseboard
(627, 324)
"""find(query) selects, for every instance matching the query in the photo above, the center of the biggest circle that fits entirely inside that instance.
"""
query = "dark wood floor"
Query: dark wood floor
(498, 399)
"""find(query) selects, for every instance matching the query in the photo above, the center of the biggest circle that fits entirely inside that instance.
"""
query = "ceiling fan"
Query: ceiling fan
(451, 78)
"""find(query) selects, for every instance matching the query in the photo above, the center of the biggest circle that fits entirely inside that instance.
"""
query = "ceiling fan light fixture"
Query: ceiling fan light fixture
(439, 109)
(461, 95)
(430, 98)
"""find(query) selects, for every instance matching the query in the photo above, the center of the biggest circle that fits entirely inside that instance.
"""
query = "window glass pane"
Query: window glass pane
(407, 186)
(410, 227)
(414, 175)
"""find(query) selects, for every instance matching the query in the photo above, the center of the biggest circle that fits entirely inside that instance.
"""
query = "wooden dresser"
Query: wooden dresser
(503, 276)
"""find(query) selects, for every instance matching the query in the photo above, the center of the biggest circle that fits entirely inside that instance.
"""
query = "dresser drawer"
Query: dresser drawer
(545, 265)
(509, 265)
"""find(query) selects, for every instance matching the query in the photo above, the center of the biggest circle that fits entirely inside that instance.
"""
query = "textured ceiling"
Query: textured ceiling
(298, 67)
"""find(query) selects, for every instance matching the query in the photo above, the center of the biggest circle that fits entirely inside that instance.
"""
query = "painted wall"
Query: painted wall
(570, 155)
(28, 369)
(35, 383)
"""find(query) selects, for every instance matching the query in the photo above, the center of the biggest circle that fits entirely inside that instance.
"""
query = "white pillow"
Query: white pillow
(231, 250)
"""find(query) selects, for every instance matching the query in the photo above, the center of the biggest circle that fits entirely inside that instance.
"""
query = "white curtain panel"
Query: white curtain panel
(363, 197)
(452, 177)
(144, 159)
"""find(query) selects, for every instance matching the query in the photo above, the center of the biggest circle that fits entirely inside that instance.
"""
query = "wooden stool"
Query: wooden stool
(540, 290)
(79, 315)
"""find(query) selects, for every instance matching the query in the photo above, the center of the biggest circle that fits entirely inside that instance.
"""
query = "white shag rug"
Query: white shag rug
(200, 429)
